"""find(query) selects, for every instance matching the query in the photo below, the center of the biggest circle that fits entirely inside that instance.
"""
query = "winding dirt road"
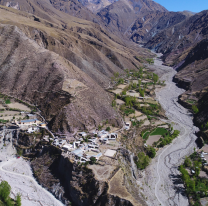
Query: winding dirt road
(161, 183)
(18, 173)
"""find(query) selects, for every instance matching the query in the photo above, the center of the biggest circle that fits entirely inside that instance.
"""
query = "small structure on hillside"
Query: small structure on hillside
(103, 134)
(112, 136)
(110, 153)
(42, 124)
(82, 134)
(28, 122)
(32, 129)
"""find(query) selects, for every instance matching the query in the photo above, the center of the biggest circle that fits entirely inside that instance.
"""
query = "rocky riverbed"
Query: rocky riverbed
(161, 183)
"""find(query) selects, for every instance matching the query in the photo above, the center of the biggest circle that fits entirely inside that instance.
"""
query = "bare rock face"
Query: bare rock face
(70, 182)
(151, 23)
(96, 5)
(173, 42)
(121, 15)
(76, 8)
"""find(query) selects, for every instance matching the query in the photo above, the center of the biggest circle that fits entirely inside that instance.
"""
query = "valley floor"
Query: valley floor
(161, 182)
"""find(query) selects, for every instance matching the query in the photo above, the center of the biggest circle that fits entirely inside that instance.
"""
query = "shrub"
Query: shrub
(93, 160)
(195, 109)
(18, 200)
(113, 103)
(155, 78)
(142, 161)
(187, 162)
(150, 61)
(7, 101)
(107, 129)
(120, 81)
(151, 152)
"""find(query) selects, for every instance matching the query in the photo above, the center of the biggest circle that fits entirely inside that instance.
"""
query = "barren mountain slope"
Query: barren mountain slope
(176, 39)
(121, 15)
(61, 70)
(75, 8)
(96, 5)
(151, 23)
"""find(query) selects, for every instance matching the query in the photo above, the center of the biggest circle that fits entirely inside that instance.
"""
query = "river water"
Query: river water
(161, 182)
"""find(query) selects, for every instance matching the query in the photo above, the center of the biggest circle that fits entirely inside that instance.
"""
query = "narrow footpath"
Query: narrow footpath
(161, 183)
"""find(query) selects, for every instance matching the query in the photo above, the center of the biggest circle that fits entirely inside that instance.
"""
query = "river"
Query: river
(161, 182)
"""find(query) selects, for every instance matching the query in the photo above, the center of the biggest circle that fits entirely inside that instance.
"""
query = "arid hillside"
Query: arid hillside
(120, 16)
(173, 41)
(151, 23)
(62, 66)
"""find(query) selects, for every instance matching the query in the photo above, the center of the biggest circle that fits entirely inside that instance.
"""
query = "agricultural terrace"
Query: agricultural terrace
(134, 98)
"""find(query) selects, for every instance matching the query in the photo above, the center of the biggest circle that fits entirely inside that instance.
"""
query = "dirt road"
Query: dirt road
(161, 183)
(18, 173)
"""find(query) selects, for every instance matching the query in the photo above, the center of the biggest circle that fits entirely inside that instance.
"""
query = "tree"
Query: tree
(187, 162)
(151, 152)
(155, 78)
(142, 160)
(5, 189)
(120, 81)
(107, 129)
(18, 200)
(93, 160)
(123, 92)
(150, 61)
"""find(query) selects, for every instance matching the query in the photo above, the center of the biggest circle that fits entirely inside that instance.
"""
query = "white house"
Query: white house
(32, 129)
(102, 134)
(67, 147)
(82, 134)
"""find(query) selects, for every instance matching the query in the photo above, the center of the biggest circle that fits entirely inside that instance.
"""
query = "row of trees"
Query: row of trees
(168, 138)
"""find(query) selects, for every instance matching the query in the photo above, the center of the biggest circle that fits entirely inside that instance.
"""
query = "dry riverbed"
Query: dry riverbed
(161, 182)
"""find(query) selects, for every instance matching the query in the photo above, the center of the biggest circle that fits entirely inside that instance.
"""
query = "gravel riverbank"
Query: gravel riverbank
(161, 183)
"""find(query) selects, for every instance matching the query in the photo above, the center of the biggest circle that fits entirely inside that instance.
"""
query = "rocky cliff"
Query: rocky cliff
(70, 182)
(152, 23)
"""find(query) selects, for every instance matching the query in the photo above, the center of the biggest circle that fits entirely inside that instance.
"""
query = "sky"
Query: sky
(181, 5)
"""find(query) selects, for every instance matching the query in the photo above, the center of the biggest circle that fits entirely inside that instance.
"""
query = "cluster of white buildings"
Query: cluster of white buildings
(82, 150)
(32, 124)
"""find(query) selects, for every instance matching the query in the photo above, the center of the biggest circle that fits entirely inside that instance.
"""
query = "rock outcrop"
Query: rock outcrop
(59, 174)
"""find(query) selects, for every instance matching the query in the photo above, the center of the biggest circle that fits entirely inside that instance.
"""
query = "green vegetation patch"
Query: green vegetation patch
(3, 121)
(129, 111)
(196, 186)
(142, 160)
(191, 101)
(5, 200)
(7, 101)
(159, 131)
(145, 136)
